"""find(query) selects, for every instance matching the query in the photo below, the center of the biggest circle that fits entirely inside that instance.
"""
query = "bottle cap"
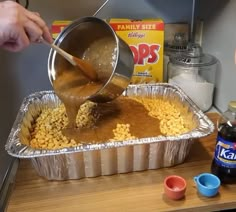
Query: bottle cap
(232, 106)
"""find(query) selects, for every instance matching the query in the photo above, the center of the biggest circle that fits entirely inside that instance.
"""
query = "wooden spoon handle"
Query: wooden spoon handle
(60, 51)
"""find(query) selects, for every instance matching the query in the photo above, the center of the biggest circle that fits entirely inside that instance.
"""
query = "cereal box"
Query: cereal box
(58, 26)
(146, 40)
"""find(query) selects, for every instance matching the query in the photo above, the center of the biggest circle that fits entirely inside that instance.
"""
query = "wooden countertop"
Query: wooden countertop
(138, 191)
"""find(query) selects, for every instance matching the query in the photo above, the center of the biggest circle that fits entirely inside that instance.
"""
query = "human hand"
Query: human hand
(19, 27)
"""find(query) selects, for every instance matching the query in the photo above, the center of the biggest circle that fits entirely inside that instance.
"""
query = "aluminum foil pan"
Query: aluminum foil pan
(90, 160)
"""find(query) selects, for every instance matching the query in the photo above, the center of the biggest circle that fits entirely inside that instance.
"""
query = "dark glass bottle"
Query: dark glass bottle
(224, 161)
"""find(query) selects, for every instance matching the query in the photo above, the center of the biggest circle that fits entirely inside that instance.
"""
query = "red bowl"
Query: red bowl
(175, 187)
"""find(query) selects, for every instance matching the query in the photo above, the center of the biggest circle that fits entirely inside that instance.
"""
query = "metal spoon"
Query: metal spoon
(85, 67)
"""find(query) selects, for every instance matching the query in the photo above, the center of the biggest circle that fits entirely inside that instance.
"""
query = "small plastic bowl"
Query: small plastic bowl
(175, 187)
(207, 184)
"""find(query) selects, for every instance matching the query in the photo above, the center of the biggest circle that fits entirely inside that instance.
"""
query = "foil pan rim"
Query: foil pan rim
(16, 149)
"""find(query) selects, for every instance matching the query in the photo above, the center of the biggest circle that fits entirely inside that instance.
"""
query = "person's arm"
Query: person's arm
(19, 27)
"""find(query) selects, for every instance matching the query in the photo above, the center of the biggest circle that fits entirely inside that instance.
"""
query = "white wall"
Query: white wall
(219, 39)
(169, 10)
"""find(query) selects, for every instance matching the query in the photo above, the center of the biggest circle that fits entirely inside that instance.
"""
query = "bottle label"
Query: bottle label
(225, 153)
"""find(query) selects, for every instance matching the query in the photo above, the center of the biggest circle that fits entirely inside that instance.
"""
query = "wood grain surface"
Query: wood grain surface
(138, 191)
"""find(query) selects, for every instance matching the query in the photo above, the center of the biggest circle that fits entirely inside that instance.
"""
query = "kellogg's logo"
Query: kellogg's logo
(145, 53)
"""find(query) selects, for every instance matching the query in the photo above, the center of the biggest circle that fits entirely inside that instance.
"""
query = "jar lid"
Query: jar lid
(232, 106)
(178, 45)
(193, 57)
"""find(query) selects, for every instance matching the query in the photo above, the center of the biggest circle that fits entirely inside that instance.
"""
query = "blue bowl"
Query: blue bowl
(207, 184)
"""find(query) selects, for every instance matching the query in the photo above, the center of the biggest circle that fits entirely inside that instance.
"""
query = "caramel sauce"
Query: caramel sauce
(74, 88)
(86, 69)
(122, 110)
(67, 89)
(102, 54)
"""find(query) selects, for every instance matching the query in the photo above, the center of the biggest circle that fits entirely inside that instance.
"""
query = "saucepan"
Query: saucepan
(76, 38)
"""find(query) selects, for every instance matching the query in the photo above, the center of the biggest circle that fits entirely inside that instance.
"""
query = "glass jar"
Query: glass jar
(177, 46)
(194, 72)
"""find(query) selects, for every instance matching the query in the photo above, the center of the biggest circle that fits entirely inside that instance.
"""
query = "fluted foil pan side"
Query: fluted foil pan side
(90, 160)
